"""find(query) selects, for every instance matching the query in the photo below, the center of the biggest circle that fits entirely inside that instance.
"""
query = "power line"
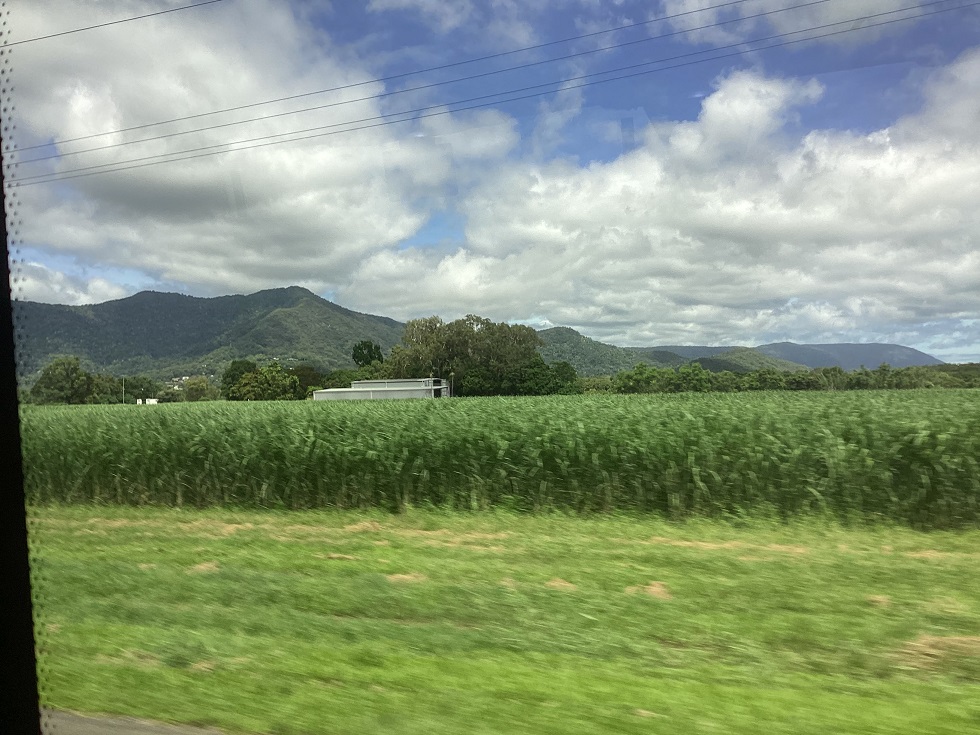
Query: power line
(144, 162)
(422, 86)
(110, 23)
(199, 152)
(387, 78)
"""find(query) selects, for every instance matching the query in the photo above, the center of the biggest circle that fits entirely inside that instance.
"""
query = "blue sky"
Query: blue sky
(820, 192)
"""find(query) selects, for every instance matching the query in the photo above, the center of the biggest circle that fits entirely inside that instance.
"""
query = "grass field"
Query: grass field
(911, 457)
(430, 622)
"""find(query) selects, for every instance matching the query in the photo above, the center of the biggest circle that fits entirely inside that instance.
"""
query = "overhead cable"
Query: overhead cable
(432, 112)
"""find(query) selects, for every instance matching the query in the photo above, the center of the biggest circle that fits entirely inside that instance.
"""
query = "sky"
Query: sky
(647, 173)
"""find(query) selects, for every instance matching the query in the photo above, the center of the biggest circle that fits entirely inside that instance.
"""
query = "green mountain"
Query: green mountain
(849, 356)
(590, 357)
(166, 334)
(163, 335)
(746, 360)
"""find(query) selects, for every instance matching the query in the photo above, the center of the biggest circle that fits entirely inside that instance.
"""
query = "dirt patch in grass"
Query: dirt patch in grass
(205, 567)
(936, 555)
(945, 606)
(879, 600)
(364, 527)
(926, 554)
(338, 557)
(146, 567)
(560, 584)
(646, 713)
(217, 528)
(410, 578)
(654, 589)
(725, 545)
(457, 543)
(205, 666)
(934, 651)
(127, 657)
(508, 583)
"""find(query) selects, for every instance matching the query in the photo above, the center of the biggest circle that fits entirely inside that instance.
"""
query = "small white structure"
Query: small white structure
(148, 401)
(364, 390)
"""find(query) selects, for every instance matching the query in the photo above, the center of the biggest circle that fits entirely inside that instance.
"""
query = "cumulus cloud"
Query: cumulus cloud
(299, 212)
(37, 282)
(734, 227)
(728, 229)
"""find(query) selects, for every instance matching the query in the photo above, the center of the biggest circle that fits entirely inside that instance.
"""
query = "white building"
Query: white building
(362, 390)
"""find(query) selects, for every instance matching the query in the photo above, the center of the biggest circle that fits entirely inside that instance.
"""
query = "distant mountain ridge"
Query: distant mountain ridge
(163, 335)
(849, 356)
(591, 357)
(166, 334)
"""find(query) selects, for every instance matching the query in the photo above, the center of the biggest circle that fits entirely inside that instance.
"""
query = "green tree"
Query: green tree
(726, 382)
(141, 387)
(832, 378)
(199, 388)
(270, 383)
(765, 379)
(63, 381)
(366, 352)
(803, 381)
(485, 358)
(309, 379)
(694, 378)
(883, 376)
(234, 373)
(105, 389)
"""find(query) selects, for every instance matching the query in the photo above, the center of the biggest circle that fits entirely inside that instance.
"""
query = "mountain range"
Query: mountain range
(163, 335)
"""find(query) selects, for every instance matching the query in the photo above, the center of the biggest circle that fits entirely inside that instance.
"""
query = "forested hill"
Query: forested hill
(849, 356)
(163, 335)
(166, 334)
(590, 357)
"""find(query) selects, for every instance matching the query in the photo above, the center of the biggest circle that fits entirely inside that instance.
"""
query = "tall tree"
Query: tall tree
(234, 373)
(366, 352)
(270, 383)
(63, 381)
(199, 388)
(484, 358)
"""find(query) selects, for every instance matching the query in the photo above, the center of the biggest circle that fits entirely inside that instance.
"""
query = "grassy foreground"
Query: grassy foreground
(340, 622)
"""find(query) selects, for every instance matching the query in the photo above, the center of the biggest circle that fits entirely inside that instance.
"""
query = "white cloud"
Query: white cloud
(733, 227)
(727, 229)
(298, 212)
(36, 282)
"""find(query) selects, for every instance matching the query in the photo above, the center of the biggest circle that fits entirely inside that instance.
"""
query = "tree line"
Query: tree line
(479, 358)
(695, 378)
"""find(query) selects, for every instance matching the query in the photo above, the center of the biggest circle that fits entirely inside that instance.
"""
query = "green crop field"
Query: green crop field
(909, 457)
(430, 622)
(779, 563)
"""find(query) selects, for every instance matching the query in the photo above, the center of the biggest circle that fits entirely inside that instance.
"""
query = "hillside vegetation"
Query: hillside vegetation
(590, 357)
(164, 334)
(745, 360)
